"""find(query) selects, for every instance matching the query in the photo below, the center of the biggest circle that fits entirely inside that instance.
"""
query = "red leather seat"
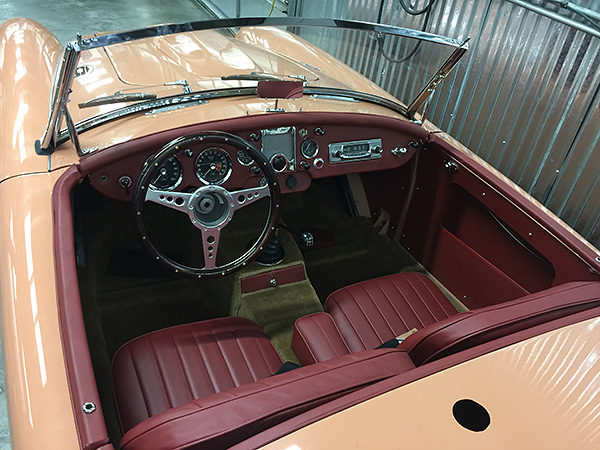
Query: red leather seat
(228, 418)
(364, 315)
(168, 368)
(368, 314)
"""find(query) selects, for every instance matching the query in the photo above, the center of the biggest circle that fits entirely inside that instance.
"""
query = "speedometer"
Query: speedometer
(213, 166)
(169, 175)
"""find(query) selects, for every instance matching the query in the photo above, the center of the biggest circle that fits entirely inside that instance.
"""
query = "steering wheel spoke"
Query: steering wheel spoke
(210, 245)
(246, 197)
(174, 200)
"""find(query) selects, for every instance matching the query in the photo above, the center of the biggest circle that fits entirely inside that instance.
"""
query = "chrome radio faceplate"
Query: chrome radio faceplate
(341, 152)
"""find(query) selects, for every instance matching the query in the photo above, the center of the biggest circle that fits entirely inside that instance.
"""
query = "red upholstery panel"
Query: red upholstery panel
(226, 418)
(316, 338)
(372, 312)
(170, 367)
(471, 328)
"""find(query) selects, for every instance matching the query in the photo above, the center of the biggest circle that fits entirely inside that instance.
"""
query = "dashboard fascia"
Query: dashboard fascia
(109, 168)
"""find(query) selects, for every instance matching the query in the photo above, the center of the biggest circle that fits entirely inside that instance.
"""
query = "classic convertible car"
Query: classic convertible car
(222, 236)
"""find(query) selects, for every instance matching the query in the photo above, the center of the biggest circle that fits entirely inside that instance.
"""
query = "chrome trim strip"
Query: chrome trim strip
(62, 84)
(195, 99)
(357, 95)
(168, 29)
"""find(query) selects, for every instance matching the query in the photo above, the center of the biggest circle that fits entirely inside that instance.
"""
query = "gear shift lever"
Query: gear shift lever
(273, 252)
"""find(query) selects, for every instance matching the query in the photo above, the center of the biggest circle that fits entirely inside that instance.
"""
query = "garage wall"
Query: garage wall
(525, 98)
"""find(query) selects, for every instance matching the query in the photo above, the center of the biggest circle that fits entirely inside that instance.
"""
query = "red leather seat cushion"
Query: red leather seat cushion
(171, 367)
(375, 311)
(227, 418)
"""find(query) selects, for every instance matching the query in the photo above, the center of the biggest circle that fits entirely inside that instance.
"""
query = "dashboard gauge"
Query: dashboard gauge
(169, 175)
(244, 158)
(213, 166)
(309, 148)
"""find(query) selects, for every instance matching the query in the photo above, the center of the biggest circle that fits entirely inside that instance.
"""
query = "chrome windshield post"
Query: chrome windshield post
(427, 92)
(60, 96)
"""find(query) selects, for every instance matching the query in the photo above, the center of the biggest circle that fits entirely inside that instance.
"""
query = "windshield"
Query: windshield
(107, 77)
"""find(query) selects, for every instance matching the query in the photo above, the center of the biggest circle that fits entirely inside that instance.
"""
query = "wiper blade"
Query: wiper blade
(117, 97)
(252, 76)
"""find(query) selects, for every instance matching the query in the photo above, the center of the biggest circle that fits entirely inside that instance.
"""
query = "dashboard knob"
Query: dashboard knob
(278, 163)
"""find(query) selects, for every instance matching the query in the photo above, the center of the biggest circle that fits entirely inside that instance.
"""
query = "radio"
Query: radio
(341, 152)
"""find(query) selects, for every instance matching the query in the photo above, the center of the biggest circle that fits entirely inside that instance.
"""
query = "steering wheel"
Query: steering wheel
(210, 207)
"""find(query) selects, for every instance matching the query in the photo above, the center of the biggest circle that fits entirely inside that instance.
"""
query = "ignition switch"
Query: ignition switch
(125, 183)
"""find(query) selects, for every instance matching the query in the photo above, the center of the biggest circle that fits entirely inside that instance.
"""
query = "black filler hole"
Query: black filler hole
(471, 415)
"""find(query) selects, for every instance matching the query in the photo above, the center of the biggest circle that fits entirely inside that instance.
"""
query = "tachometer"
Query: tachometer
(169, 175)
(213, 166)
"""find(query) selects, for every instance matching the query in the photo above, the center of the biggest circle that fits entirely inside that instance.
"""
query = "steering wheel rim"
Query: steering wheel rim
(193, 204)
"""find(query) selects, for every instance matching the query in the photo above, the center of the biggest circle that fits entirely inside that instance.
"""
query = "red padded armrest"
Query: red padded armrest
(471, 328)
(316, 338)
(226, 418)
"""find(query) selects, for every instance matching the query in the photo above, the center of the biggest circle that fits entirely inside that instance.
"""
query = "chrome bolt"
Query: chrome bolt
(88, 407)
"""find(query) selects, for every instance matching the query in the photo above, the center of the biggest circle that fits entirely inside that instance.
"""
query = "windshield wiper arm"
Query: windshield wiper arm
(117, 97)
(252, 76)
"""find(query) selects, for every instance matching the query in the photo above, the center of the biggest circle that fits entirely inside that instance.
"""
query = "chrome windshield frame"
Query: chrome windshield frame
(70, 57)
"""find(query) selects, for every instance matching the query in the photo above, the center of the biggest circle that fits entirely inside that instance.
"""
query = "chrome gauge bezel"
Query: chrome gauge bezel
(227, 158)
(304, 151)
(287, 166)
(179, 179)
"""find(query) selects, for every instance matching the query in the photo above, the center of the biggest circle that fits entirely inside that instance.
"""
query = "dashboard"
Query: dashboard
(299, 146)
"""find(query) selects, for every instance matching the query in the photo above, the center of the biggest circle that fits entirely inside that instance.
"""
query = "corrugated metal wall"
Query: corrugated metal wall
(526, 97)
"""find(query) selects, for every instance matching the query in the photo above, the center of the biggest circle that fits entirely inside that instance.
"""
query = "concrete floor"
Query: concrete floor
(67, 17)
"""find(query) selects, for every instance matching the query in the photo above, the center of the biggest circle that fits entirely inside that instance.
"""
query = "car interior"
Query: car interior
(393, 250)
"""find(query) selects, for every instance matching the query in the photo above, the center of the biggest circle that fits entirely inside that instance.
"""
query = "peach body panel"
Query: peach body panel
(29, 57)
(540, 393)
(40, 410)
